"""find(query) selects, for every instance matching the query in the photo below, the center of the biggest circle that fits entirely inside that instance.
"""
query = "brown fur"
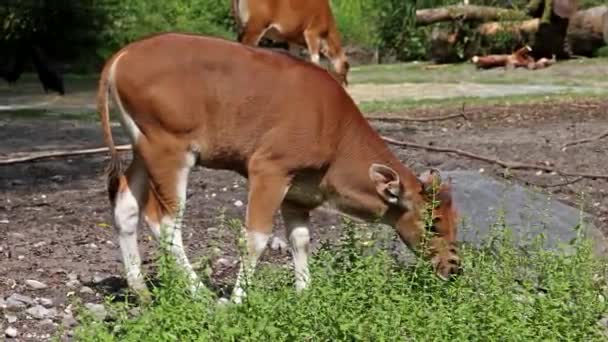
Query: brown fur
(280, 122)
(301, 23)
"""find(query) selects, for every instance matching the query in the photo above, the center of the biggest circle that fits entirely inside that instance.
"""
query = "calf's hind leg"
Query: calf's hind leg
(127, 197)
(166, 205)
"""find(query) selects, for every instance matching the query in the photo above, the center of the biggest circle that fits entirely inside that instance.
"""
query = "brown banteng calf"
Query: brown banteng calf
(307, 23)
(283, 123)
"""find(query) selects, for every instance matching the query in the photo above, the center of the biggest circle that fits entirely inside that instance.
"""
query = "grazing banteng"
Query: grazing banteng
(283, 123)
(308, 24)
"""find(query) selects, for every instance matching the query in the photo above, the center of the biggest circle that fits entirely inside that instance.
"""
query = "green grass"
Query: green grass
(371, 107)
(581, 72)
(365, 295)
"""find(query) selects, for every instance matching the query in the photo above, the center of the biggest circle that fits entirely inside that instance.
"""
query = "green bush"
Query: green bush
(506, 293)
(134, 19)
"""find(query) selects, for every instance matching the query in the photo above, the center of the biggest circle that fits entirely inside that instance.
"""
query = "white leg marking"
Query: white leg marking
(256, 243)
(126, 220)
(297, 223)
(315, 58)
(300, 244)
(243, 8)
(170, 228)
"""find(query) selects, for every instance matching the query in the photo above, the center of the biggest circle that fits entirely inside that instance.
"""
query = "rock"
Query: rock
(17, 235)
(481, 199)
(46, 302)
(86, 290)
(99, 278)
(35, 284)
(69, 321)
(72, 283)
(17, 301)
(10, 319)
(39, 244)
(40, 312)
(97, 310)
(72, 276)
(238, 203)
(278, 243)
(10, 332)
(2, 303)
(223, 262)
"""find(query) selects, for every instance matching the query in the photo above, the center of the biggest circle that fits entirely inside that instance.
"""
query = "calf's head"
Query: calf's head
(425, 216)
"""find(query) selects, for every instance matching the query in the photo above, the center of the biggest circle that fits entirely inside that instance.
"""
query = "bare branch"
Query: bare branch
(61, 153)
(503, 163)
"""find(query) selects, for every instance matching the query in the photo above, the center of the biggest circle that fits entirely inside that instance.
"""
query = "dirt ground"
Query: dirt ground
(55, 221)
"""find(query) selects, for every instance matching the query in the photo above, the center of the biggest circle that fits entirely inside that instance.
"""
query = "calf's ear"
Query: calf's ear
(386, 181)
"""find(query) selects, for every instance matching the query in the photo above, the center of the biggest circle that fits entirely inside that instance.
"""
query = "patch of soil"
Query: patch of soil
(55, 221)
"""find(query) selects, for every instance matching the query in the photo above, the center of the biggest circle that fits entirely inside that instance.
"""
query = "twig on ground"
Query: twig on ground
(584, 106)
(568, 182)
(62, 153)
(586, 140)
(503, 163)
(427, 119)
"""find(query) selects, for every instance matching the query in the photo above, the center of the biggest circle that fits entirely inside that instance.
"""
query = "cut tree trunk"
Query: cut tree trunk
(466, 13)
(588, 30)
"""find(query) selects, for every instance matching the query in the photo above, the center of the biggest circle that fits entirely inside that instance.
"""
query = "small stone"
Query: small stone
(10, 332)
(11, 319)
(4, 221)
(69, 321)
(86, 290)
(211, 230)
(72, 276)
(99, 278)
(39, 244)
(17, 301)
(97, 310)
(57, 178)
(35, 284)
(223, 262)
(40, 312)
(46, 302)
(46, 322)
(238, 203)
(17, 235)
(20, 257)
(2, 303)
(93, 246)
(224, 189)
(72, 283)
(278, 244)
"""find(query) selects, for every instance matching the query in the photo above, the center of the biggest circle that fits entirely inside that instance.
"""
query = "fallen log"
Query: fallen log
(429, 16)
(586, 32)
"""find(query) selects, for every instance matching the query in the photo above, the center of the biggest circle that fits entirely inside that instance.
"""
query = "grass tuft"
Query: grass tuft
(506, 293)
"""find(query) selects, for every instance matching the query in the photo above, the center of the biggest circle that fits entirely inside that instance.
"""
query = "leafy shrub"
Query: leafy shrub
(358, 293)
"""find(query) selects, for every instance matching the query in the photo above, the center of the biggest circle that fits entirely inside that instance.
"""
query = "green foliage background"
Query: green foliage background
(84, 33)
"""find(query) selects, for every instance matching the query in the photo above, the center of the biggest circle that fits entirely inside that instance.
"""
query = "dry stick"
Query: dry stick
(586, 140)
(433, 118)
(53, 154)
(429, 119)
(505, 164)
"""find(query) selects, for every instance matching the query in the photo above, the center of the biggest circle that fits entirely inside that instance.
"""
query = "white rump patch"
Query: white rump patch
(126, 121)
